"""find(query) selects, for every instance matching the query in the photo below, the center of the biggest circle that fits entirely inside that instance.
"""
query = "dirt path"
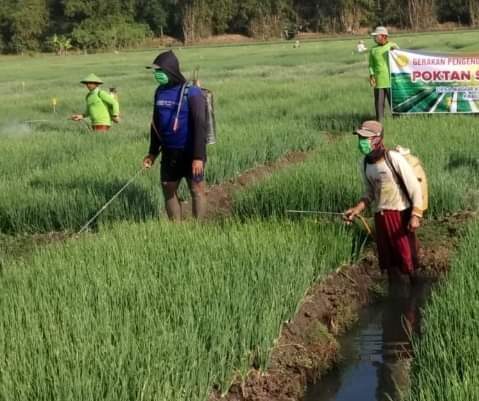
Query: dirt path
(220, 197)
(307, 346)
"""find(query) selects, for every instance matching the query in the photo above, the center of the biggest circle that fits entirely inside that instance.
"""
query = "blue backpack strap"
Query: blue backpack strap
(185, 88)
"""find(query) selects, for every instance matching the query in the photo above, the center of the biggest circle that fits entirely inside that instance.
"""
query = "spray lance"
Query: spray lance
(48, 123)
(33, 122)
(103, 208)
(40, 122)
(37, 121)
(316, 212)
(82, 120)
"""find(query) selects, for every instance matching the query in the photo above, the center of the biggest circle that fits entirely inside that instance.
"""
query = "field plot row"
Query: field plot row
(155, 311)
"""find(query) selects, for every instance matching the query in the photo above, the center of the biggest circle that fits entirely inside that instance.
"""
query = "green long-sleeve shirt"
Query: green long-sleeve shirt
(98, 106)
(379, 64)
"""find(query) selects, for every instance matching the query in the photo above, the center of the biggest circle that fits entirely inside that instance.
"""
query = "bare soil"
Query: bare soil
(220, 197)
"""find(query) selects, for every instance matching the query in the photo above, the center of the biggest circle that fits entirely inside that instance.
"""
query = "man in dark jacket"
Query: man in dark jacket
(178, 129)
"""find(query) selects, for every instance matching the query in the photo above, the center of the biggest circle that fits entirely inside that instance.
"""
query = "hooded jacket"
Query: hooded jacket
(190, 135)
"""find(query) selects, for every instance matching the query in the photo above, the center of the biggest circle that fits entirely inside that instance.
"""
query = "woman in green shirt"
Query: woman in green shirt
(379, 75)
(101, 107)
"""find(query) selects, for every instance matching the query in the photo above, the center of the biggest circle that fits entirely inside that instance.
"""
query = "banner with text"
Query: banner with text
(434, 83)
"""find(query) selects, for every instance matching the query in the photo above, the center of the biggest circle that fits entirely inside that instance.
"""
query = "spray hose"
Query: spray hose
(361, 218)
(365, 224)
(89, 222)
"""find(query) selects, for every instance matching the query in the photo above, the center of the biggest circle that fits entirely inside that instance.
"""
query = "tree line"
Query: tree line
(92, 24)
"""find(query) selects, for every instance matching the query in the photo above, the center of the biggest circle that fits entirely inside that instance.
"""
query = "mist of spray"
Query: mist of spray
(15, 129)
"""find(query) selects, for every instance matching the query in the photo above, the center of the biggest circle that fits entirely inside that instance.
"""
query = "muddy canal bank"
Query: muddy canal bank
(309, 346)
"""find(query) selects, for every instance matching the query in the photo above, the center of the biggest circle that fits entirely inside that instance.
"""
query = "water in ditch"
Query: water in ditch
(376, 353)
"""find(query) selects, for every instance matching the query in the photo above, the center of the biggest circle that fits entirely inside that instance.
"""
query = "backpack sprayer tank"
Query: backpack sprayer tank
(210, 109)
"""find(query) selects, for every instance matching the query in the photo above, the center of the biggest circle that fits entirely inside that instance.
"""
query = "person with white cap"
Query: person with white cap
(379, 75)
(395, 193)
(361, 47)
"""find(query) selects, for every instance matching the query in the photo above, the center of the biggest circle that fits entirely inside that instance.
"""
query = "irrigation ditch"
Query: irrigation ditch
(376, 354)
(338, 345)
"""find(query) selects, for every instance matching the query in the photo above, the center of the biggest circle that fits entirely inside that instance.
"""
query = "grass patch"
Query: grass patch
(446, 359)
(155, 309)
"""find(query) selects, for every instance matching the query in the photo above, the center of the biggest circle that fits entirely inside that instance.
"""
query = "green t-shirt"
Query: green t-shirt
(98, 106)
(379, 64)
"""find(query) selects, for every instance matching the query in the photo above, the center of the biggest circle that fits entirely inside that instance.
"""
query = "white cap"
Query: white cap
(380, 30)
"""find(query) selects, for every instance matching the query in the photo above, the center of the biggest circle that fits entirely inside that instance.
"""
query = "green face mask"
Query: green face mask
(161, 77)
(364, 146)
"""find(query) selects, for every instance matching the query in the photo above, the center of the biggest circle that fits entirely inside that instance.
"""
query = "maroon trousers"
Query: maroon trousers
(397, 246)
(100, 128)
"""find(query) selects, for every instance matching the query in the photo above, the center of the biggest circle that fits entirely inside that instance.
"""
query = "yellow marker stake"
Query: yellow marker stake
(54, 104)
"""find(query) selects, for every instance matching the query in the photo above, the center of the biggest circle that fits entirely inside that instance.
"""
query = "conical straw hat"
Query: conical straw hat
(91, 78)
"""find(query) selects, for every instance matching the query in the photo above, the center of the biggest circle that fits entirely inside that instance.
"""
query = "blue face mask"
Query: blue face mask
(364, 145)
(161, 77)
